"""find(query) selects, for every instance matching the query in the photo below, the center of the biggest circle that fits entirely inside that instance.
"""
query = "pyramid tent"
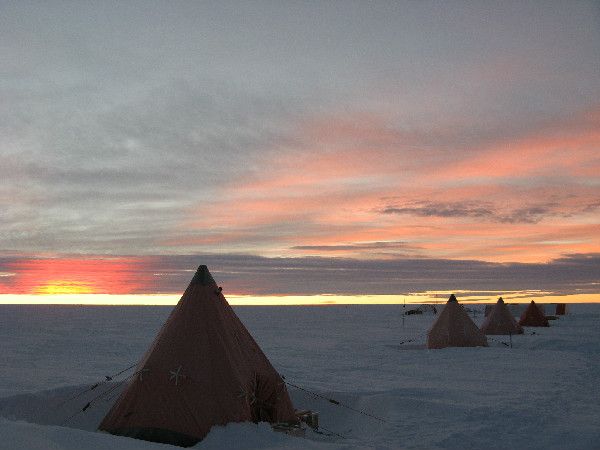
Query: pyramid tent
(500, 321)
(561, 309)
(454, 328)
(203, 369)
(533, 317)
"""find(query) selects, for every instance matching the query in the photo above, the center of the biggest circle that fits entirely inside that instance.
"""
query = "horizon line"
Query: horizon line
(433, 297)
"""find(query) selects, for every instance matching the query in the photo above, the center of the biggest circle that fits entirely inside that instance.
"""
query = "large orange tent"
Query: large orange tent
(533, 317)
(203, 369)
(500, 321)
(454, 328)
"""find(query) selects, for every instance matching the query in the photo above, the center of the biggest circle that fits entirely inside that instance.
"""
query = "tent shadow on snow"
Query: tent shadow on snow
(60, 407)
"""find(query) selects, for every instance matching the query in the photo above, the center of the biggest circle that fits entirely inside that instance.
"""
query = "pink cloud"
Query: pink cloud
(491, 203)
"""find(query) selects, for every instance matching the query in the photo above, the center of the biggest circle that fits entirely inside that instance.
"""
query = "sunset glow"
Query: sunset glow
(64, 276)
(63, 288)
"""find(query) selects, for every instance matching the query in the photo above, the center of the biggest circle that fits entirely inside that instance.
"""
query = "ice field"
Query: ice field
(541, 393)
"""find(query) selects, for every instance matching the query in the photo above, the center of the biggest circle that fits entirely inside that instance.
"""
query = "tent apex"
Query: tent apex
(203, 277)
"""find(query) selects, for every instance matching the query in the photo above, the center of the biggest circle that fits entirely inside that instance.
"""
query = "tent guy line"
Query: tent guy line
(92, 402)
(107, 379)
(333, 401)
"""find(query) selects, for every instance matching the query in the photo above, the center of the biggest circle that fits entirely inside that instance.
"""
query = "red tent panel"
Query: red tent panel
(533, 317)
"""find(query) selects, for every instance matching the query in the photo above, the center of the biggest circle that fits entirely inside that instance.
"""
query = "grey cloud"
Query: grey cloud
(532, 214)
(571, 274)
(436, 209)
(488, 211)
(370, 246)
(79, 179)
(121, 107)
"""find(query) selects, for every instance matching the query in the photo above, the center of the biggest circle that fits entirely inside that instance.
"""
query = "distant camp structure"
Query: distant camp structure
(500, 321)
(454, 328)
(533, 317)
(203, 369)
(561, 309)
(423, 309)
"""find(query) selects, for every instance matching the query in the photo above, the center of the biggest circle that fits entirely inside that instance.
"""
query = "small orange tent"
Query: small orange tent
(533, 317)
(500, 321)
(203, 369)
(454, 328)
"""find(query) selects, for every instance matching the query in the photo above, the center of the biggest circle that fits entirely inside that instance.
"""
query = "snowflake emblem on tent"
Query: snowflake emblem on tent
(176, 375)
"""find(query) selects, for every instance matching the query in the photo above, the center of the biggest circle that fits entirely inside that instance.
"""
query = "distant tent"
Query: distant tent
(203, 369)
(533, 317)
(500, 321)
(561, 309)
(454, 328)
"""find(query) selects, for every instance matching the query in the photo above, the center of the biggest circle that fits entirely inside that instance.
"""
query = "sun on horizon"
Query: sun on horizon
(64, 287)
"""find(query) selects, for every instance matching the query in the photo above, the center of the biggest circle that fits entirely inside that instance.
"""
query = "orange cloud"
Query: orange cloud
(525, 199)
(560, 149)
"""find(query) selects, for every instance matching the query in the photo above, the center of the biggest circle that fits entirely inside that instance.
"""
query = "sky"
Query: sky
(300, 148)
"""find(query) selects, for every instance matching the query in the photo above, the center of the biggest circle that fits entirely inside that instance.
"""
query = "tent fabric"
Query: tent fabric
(203, 369)
(533, 317)
(561, 309)
(500, 321)
(454, 328)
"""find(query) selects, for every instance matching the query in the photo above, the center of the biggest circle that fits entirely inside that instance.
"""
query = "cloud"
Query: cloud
(429, 209)
(359, 246)
(486, 211)
(368, 249)
(349, 179)
(88, 182)
(247, 274)
(530, 214)
(289, 130)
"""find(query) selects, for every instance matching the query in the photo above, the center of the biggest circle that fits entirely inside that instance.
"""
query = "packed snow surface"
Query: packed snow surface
(540, 394)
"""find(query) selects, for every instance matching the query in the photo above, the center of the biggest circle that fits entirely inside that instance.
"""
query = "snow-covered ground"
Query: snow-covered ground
(542, 393)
